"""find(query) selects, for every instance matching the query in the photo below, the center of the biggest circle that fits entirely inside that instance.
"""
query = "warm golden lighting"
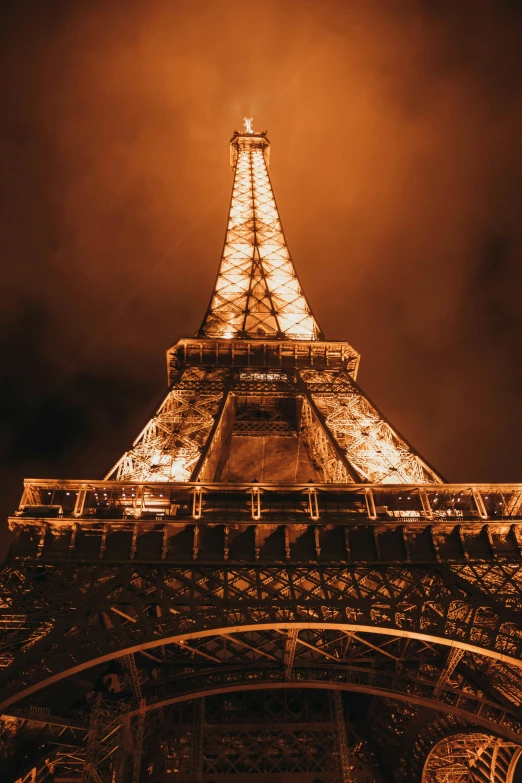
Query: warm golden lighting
(169, 446)
(247, 122)
(375, 451)
(257, 293)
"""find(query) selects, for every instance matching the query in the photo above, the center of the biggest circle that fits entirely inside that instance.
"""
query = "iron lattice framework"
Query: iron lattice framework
(257, 293)
(474, 757)
(271, 584)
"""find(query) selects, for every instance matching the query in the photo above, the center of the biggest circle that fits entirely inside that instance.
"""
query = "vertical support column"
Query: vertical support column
(196, 756)
(138, 501)
(289, 651)
(455, 654)
(105, 752)
(337, 710)
(255, 503)
(41, 543)
(90, 772)
(426, 505)
(370, 504)
(313, 504)
(120, 772)
(81, 496)
(479, 503)
(197, 498)
(138, 742)
(129, 663)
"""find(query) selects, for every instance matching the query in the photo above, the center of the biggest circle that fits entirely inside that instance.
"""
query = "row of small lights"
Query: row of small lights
(105, 494)
(400, 496)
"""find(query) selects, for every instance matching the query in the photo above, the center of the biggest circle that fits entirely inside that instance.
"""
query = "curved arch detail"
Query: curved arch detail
(228, 681)
(472, 756)
(242, 628)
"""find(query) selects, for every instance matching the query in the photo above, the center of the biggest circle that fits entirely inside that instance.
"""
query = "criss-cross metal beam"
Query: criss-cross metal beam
(382, 580)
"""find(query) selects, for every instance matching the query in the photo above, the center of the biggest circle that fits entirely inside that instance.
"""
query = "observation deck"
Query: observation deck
(260, 522)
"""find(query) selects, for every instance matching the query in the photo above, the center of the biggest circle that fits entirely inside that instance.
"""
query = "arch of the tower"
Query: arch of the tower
(417, 668)
(452, 749)
(245, 639)
(470, 707)
(472, 756)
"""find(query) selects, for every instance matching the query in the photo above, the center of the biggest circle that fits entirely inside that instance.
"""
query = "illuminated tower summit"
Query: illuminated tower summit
(302, 405)
(271, 585)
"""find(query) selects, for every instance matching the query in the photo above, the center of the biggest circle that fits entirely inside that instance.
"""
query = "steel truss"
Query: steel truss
(267, 733)
(151, 605)
(347, 438)
(169, 447)
(257, 293)
(473, 757)
(442, 749)
(171, 593)
(438, 636)
(374, 452)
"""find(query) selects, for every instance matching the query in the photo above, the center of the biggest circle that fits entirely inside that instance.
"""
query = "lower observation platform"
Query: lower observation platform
(208, 522)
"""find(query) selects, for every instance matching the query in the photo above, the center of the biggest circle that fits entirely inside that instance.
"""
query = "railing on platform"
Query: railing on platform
(112, 500)
(206, 522)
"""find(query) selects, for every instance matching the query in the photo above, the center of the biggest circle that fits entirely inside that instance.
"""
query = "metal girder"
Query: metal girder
(171, 444)
(468, 701)
(43, 728)
(413, 676)
(129, 663)
(290, 645)
(261, 733)
(196, 756)
(454, 656)
(323, 447)
(471, 756)
(257, 293)
(370, 448)
(275, 353)
(336, 702)
(152, 605)
(204, 591)
(477, 522)
(137, 745)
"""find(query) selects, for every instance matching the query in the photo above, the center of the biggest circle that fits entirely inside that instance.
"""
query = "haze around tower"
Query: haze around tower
(396, 162)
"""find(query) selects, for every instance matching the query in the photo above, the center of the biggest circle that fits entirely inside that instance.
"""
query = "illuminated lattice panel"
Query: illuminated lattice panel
(257, 292)
(473, 757)
(169, 446)
(371, 445)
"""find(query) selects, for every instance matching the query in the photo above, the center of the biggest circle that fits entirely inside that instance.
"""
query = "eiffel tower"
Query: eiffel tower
(271, 585)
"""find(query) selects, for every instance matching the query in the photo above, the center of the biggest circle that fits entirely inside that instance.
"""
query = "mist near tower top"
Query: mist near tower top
(396, 162)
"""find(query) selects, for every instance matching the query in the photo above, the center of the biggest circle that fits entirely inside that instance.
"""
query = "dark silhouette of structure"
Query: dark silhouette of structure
(271, 584)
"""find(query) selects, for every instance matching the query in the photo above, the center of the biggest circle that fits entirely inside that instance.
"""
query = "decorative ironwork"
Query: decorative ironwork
(271, 581)
(374, 451)
(473, 757)
(169, 447)
(257, 293)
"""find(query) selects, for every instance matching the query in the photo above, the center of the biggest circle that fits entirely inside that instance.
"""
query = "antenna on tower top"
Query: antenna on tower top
(247, 122)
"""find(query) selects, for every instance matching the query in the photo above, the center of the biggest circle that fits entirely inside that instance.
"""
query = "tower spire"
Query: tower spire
(257, 292)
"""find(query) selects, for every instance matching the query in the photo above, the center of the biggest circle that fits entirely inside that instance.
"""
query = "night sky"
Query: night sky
(396, 132)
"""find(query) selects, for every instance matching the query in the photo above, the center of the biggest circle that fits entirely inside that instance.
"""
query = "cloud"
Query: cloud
(396, 162)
